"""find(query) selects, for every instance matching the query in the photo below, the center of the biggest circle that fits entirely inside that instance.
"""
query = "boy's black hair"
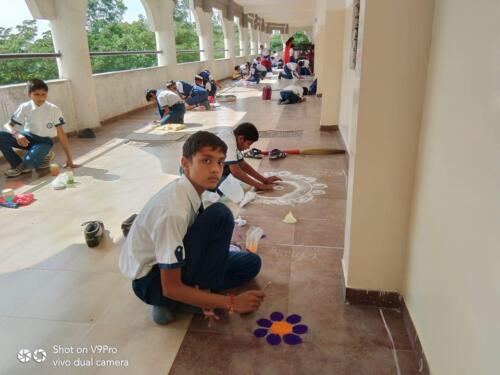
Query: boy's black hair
(237, 67)
(37, 84)
(202, 139)
(305, 90)
(248, 131)
(150, 93)
(301, 63)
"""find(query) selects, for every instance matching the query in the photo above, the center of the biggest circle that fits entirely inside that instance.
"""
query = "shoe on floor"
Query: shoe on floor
(93, 232)
(162, 315)
(17, 171)
(127, 224)
(86, 133)
(46, 160)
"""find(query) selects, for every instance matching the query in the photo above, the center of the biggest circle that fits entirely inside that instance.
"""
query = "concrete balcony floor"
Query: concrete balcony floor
(57, 292)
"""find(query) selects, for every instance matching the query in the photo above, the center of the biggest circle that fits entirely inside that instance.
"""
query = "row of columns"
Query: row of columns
(67, 21)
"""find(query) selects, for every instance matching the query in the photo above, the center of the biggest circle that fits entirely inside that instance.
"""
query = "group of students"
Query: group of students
(179, 96)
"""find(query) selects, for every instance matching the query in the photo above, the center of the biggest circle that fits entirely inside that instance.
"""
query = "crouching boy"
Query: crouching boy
(177, 252)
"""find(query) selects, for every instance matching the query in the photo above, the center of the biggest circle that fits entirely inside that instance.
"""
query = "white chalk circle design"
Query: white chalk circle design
(294, 188)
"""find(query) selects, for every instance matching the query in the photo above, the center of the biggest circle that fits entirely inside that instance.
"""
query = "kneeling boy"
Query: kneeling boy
(177, 252)
(170, 105)
(238, 140)
(293, 94)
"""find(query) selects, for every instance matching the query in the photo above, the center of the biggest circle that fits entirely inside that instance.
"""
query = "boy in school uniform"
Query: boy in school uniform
(41, 121)
(293, 94)
(238, 140)
(209, 83)
(170, 105)
(198, 96)
(290, 70)
(177, 252)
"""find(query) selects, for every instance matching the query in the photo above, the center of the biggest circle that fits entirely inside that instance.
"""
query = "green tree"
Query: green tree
(22, 40)
(186, 37)
(275, 42)
(101, 13)
(217, 34)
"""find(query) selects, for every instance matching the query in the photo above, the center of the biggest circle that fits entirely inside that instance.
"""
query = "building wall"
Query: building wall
(394, 46)
(332, 65)
(453, 280)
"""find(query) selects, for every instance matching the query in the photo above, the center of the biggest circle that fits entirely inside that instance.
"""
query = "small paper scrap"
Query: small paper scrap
(289, 219)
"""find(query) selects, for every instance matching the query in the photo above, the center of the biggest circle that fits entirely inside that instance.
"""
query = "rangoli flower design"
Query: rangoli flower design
(276, 329)
(294, 188)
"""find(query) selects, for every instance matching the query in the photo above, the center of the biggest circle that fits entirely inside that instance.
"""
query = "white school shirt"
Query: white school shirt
(297, 90)
(244, 68)
(306, 63)
(40, 120)
(233, 155)
(292, 66)
(167, 98)
(261, 67)
(156, 236)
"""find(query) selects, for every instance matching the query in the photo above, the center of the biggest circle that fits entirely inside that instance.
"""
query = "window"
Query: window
(238, 48)
(217, 34)
(187, 43)
(250, 39)
(21, 34)
(119, 25)
(275, 41)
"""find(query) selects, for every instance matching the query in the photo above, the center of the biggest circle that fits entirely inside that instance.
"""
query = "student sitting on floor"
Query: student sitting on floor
(290, 70)
(304, 70)
(238, 140)
(260, 68)
(182, 88)
(170, 105)
(41, 121)
(177, 252)
(198, 96)
(293, 94)
(209, 83)
(237, 73)
(253, 75)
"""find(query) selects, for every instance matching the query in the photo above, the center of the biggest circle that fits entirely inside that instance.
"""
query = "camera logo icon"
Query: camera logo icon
(24, 355)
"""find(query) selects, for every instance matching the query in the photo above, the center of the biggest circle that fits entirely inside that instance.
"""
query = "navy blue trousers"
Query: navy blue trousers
(209, 263)
(290, 96)
(38, 148)
(175, 115)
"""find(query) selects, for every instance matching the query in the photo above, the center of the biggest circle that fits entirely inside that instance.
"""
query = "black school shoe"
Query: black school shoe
(93, 232)
(127, 224)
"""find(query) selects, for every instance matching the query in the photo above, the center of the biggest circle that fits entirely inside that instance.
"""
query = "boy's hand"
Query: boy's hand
(248, 301)
(70, 164)
(271, 180)
(22, 140)
(265, 187)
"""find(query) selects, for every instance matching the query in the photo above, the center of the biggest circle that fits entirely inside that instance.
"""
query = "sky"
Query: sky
(15, 11)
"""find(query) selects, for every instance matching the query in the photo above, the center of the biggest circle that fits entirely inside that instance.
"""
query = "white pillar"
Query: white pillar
(204, 28)
(160, 18)
(228, 29)
(70, 38)
(254, 47)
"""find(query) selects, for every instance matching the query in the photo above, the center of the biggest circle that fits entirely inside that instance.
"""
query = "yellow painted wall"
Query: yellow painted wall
(332, 66)
(387, 105)
(453, 267)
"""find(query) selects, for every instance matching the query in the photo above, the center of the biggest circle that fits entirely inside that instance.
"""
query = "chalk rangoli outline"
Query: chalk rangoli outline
(304, 189)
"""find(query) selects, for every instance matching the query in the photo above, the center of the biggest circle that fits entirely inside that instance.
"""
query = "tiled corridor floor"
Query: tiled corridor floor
(56, 292)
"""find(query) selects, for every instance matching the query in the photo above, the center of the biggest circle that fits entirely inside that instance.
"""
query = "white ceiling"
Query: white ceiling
(296, 13)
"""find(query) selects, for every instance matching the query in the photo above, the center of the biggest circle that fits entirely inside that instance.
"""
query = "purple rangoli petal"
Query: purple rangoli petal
(273, 339)
(292, 339)
(300, 329)
(293, 319)
(277, 316)
(264, 323)
(260, 332)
